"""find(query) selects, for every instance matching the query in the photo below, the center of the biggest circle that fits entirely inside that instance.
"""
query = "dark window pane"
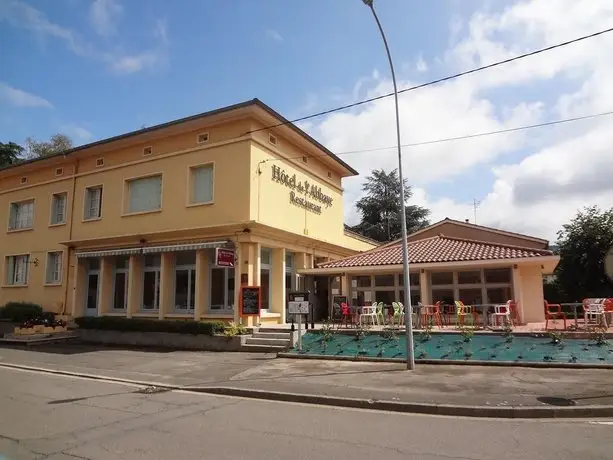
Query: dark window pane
(413, 279)
(387, 297)
(217, 288)
(92, 292)
(440, 278)
(362, 281)
(472, 277)
(151, 290)
(498, 295)
(415, 297)
(121, 262)
(153, 260)
(185, 258)
(443, 295)
(384, 280)
(119, 300)
(498, 275)
(265, 283)
(471, 296)
(181, 288)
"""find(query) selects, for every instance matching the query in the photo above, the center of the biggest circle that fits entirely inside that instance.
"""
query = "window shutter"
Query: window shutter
(202, 184)
(50, 267)
(145, 194)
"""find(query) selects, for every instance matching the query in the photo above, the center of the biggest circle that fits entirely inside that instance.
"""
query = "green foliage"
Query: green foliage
(380, 208)
(390, 333)
(19, 312)
(583, 244)
(555, 336)
(598, 335)
(113, 323)
(326, 332)
(467, 333)
(234, 329)
(10, 154)
(58, 143)
(507, 332)
(426, 333)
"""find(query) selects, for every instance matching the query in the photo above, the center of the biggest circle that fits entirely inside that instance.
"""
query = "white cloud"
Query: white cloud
(20, 98)
(421, 65)
(274, 35)
(77, 133)
(104, 16)
(540, 177)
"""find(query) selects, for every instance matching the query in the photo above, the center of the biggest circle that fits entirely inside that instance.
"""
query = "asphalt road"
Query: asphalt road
(53, 417)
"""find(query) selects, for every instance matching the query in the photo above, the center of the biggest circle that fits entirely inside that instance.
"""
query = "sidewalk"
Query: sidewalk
(471, 390)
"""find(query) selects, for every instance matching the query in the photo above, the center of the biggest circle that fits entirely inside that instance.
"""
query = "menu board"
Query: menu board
(250, 299)
(339, 299)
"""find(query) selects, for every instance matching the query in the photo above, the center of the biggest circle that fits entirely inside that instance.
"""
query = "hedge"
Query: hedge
(18, 312)
(115, 323)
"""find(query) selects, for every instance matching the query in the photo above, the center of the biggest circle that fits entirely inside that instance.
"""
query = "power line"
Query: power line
(434, 82)
(451, 139)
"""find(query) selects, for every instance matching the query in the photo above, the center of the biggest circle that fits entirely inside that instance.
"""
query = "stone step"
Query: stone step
(262, 348)
(271, 335)
(268, 342)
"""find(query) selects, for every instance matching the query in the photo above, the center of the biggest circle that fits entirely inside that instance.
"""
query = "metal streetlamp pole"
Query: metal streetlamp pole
(408, 318)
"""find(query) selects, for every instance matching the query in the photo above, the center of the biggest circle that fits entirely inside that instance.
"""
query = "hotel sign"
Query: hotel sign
(302, 191)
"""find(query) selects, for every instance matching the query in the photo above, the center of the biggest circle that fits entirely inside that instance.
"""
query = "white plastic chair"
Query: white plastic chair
(369, 313)
(594, 313)
(501, 311)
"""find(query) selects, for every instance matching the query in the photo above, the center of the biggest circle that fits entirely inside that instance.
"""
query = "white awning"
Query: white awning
(184, 247)
(109, 253)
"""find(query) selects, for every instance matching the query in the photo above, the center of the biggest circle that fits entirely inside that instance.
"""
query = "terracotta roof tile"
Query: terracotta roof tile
(437, 249)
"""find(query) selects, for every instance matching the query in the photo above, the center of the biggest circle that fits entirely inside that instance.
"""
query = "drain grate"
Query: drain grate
(152, 390)
(554, 401)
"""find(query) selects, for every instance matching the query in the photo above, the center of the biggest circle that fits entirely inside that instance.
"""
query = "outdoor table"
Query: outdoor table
(574, 306)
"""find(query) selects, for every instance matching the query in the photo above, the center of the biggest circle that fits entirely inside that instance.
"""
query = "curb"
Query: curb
(448, 362)
(527, 412)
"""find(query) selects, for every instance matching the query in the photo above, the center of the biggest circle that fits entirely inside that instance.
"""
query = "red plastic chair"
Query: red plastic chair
(346, 315)
(553, 312)
(514, 308)
(431, 311)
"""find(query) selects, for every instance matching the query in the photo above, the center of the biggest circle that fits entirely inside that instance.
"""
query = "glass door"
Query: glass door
(185, 289)
(91, 303)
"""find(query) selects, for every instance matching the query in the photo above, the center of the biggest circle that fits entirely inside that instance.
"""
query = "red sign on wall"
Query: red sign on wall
(224, 257)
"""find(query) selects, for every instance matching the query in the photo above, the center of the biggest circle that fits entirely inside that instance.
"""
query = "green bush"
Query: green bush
(114, 323)
(19, 312)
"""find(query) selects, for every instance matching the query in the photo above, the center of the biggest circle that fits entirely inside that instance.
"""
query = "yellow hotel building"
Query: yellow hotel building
(132, 225)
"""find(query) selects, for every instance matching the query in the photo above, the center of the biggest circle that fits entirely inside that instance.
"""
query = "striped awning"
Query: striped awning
(192, 246)
(108, 253)
(184, 247)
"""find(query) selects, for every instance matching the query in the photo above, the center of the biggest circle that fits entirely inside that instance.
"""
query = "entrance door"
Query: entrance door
(91, 302)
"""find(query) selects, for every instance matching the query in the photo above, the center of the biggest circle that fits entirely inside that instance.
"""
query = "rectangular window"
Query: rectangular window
(151, 282)
(413, 279)
(218, 282)
(58, 208)
(201, 184)
(22, 215)
(54, 268)
(145, 194)
(93, 203)
(120, 283)
(361, 281)
(17, 270)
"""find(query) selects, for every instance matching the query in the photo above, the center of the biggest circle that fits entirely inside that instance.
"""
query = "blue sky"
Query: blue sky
(97, 68)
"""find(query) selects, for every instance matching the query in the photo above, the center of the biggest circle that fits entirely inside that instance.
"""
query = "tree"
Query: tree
(57, 144)
(380, 208)
(583, 244)
(10, 154)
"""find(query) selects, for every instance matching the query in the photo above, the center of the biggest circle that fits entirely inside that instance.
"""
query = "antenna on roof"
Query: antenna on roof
(476, 204)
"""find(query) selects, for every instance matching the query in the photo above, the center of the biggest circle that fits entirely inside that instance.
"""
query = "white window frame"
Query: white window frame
(191, 201)
(17, 269)
(21, 219)
(129, 183)
(90, 205)
(56, 265)
(54, 220)
(267, 266)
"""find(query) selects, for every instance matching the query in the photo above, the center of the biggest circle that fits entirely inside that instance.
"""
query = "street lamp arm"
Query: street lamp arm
(408, 318)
